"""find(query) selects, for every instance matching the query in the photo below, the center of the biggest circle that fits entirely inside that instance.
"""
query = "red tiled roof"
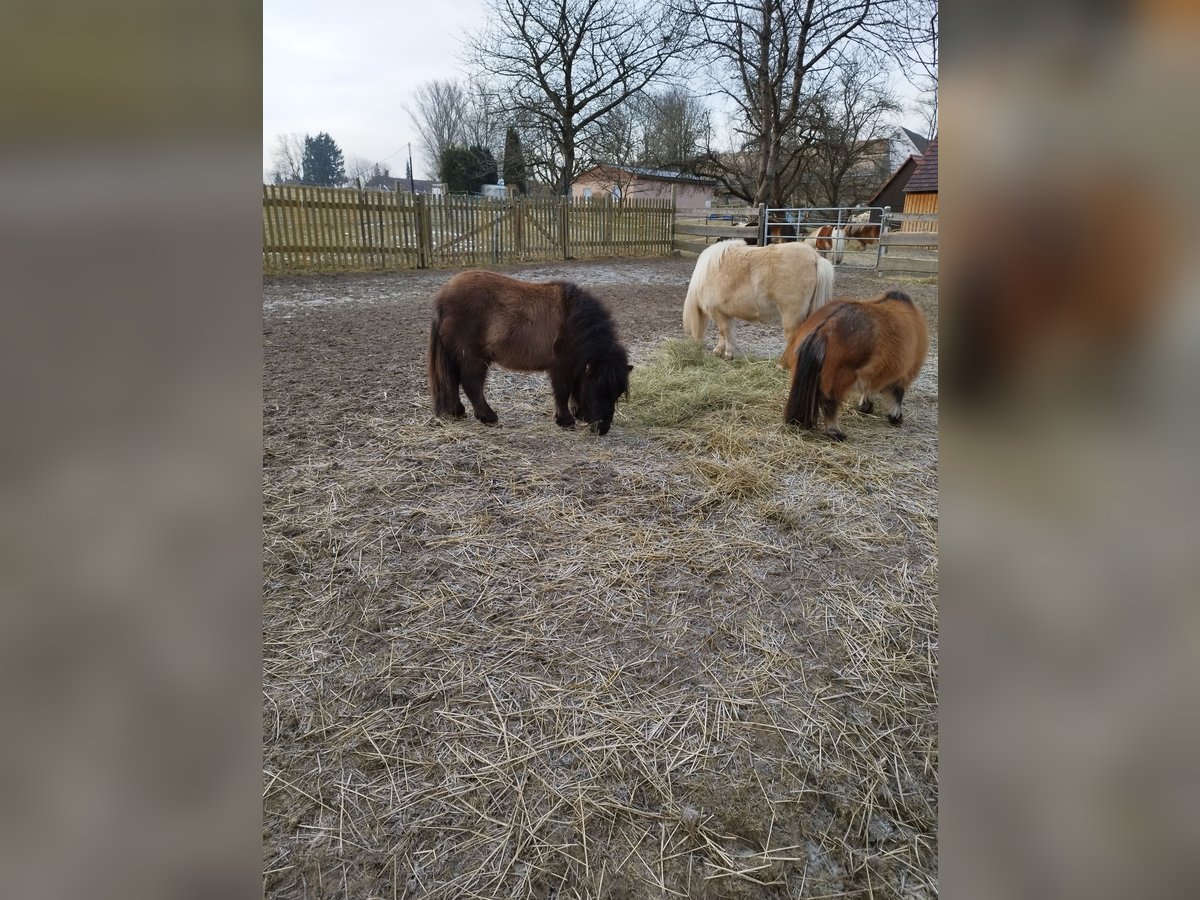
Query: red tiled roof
(925, 179)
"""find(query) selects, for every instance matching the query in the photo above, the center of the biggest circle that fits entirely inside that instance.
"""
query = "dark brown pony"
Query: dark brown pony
(480, 318)
(878, 345)
(779, 229)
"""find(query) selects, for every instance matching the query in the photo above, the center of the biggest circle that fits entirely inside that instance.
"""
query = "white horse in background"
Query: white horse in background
(779, 282)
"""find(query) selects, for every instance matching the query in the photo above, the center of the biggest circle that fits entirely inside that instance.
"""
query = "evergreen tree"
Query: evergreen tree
(514, 162)
(323, 161)
(467, 170)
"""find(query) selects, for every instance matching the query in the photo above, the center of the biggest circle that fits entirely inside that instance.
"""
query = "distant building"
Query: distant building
(892, 192)
(921, 192)
(617, 182)
(392, 183)
(903, 143)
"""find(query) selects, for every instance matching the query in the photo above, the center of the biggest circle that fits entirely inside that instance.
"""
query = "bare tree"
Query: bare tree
(849, 157)
(288, 157)
(358, 167)
(437, 114)
(776, 57)
(484, 122)
(564, 65)
(676, 129)
(916, 43)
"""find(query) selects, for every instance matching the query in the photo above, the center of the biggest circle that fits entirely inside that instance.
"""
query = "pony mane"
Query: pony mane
(587, 325)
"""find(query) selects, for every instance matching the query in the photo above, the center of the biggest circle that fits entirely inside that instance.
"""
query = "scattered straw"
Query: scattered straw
(697, 657)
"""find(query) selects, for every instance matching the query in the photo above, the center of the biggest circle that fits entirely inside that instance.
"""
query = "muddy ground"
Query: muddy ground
(528, 662)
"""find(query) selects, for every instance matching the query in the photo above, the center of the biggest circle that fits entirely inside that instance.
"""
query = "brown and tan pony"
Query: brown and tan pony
(876, 345)
(481, 318)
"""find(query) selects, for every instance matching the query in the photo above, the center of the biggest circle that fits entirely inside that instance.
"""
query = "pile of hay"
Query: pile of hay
(695, 658)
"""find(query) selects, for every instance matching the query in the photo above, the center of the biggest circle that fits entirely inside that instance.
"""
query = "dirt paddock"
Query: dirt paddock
(521, 662)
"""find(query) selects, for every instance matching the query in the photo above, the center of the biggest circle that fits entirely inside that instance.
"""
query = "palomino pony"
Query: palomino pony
(829, 241)
(480, 318)
(733, 281)
(878, 345)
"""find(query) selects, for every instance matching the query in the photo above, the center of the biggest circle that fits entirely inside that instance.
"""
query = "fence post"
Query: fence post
(363, 229)
(519, 226)
(762, 224)
(670, 235)
(564, 220)
(424, 251)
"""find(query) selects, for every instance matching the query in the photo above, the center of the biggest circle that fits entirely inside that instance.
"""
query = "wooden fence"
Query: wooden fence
(331, 229)
(908, 251)
(695, 229)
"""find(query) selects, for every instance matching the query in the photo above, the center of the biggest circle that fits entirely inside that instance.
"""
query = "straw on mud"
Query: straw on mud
(699, 657)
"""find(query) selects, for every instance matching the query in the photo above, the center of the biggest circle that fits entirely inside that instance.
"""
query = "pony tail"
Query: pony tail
(443, 372)
(804, 398)
(695, 322)
(823, 292)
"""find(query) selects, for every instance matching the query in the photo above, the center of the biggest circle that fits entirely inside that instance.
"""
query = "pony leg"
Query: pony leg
(473, 376)
(725, 326)
(866, 405)
(895, 415)
(561, 386)
(836, 382)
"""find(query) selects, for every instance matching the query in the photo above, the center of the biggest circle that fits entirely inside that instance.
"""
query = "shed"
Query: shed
(892, 192)
(642, 183)
(921, 192)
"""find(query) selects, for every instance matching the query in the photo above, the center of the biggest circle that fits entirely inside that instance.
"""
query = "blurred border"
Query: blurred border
(1069, 626)
(130, 231)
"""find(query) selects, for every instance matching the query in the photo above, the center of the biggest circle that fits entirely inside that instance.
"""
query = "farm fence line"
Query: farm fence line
(908, 242)
(312, 228)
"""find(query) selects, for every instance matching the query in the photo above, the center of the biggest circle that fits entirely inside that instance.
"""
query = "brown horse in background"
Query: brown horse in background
(480, 318)
(829, 241)
(878, 345)
(863, 232)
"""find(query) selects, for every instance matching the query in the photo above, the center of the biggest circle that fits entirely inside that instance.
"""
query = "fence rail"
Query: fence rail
(310, 228)
(912, 249)
(908, 244)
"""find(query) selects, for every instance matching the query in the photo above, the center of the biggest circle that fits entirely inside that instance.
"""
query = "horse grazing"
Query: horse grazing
(829, 241)
(878, 345)
(732, 281)
(480, 318)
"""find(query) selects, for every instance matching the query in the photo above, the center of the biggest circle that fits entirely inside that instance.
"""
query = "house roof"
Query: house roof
(925, 179)
(922, 143)
(656, 174)
(899, 178)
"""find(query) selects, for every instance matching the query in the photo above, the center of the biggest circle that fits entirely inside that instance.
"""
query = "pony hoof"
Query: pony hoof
(564, 421)
(895, 418)
(487, 418)
(866, 406)
(837, 435)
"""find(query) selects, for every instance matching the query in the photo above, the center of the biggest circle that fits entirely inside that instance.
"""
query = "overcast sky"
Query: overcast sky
(349, 69)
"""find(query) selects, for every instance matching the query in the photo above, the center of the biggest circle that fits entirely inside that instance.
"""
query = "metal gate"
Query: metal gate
(855, 252)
